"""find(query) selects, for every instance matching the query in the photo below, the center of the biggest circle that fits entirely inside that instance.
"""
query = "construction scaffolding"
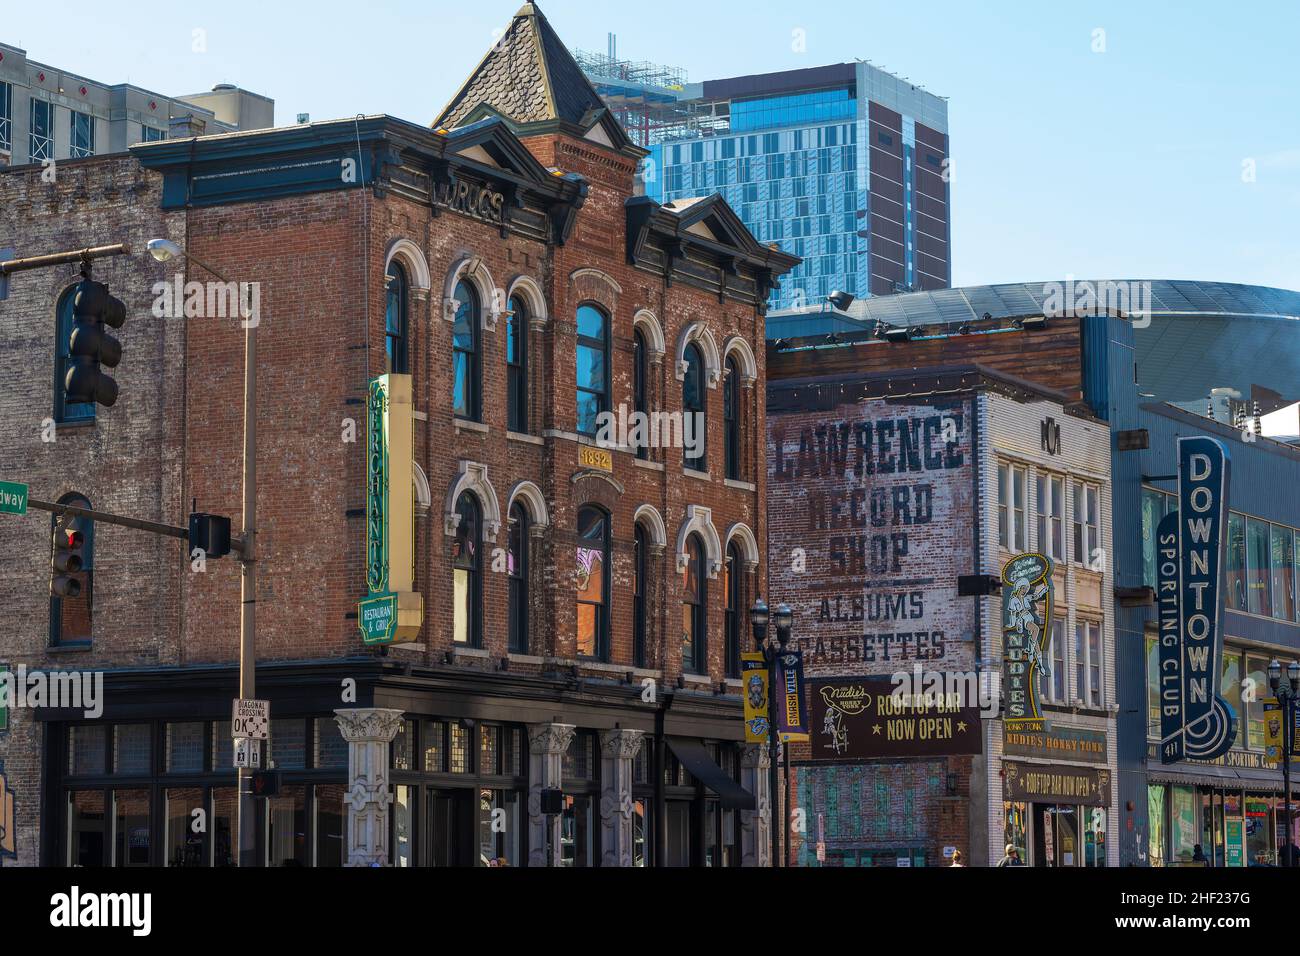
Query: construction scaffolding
(653, 101)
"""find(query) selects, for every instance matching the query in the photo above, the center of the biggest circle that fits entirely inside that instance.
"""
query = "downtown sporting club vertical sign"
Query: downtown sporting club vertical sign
(1195, 722)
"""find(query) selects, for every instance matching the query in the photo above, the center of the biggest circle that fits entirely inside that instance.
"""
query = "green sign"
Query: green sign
(13, 498)
(377, 489)
(378, 614)
(1232, 841)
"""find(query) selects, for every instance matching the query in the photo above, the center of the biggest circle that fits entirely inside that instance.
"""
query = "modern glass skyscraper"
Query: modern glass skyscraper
(842, 165)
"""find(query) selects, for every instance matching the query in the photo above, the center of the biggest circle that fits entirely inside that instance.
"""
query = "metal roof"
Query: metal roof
(1200, 334)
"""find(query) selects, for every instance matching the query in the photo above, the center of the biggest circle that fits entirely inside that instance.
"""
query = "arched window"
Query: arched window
(64, 410)
(517, 366)
(731, 417)
(396, 318)
(592, 367)
(517, 568)
(639, 582)
(640, 383)
(694, 608)
(465, 353)
(694, 423)
(593, 583)
(71, 612)
(732, 588)
(467, 582)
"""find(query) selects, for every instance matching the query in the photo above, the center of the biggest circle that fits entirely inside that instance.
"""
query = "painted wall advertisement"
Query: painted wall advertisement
(1027, 597)
(870, 523)
(1195, 722)
(393, 612)
(862, 718)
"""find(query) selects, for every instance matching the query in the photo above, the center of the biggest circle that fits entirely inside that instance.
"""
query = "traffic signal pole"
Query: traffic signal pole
(248, 589)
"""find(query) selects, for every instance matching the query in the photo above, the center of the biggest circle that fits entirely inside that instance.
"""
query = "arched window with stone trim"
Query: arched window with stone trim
(641, 386)
(731, 419)
(467, 577)
(517, 571)
(640, 583)
(592, 373)
(397, 318)
(695, 584)
(694, 455)
(733, 625)
(466, 354)
(517, 366)
(592, 578)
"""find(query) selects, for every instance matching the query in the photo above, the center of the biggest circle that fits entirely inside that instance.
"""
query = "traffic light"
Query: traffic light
(90, 346)
(210, 533)
(266, 783)
(66, 561)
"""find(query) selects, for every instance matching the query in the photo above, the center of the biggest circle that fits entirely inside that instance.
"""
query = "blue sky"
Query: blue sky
(1122, 163)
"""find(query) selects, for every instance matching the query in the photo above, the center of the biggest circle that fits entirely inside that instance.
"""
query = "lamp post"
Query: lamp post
(784, 620)
(1287, 693)
(771, 650)
(165, 250)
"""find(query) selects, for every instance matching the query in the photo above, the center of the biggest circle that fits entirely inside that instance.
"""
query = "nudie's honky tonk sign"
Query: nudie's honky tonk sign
(1195, 722)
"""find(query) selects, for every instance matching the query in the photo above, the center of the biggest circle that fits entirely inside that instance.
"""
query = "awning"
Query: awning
(696, 759)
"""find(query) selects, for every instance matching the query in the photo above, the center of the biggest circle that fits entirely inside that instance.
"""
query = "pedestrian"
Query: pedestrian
(956, 858)
(1012, 857)
(1198, 855)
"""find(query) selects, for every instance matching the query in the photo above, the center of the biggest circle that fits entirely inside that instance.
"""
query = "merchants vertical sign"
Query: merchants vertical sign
(393, 612)
(1195, 722)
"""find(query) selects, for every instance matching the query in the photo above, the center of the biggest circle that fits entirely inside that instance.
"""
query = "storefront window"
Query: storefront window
(500, 828)
(1153, 509)
(1235, 573)
(1156, 824)
(1257, 676)
(86, 828)
(131, 749)
(131, 830)
(331, 817)
(1183, 829)
(225, 826)
(331, 748)
(1094, 836)
(183, 843)
(289, 743)
(1231, 691)
(185, 747)
(1282, 563)
(403, 851)
(1015, 815)
(86, 749)
(1259, 837)
(286, 838)
(1257, 569)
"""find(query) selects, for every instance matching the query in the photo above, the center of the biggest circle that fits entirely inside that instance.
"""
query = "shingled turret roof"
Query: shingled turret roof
(530, 79)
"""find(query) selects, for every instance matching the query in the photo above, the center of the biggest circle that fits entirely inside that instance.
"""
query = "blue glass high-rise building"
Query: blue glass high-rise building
(845, 166)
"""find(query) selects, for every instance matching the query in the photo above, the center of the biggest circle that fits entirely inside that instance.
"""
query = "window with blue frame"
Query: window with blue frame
(592, 367)
(65, 411)
(40, 140)
(82, 135)
(465, 353)
(6, 116)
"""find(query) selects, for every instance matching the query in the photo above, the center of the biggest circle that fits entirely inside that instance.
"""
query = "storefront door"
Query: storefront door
(450, 827)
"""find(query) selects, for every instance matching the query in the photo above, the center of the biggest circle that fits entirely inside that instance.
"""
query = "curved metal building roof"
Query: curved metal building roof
(1201, 334)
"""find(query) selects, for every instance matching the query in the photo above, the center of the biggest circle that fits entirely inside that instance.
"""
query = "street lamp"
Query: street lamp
(164, 250)
(758, 618)
(1287, 693)
(783, 618)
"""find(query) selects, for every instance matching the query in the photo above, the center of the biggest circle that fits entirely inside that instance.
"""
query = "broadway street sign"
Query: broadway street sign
(13, 498)
(1195, 722)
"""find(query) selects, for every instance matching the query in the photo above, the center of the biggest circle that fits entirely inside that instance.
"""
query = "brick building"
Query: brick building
(894, 469)
(583, 604)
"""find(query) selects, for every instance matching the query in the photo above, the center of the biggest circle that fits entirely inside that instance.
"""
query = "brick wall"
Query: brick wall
(128, 461)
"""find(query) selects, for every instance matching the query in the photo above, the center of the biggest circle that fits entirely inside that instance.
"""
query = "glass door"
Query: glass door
(447, 828)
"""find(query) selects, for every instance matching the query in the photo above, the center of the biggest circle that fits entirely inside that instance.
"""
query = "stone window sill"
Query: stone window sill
(468, 425)
(742, 485)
